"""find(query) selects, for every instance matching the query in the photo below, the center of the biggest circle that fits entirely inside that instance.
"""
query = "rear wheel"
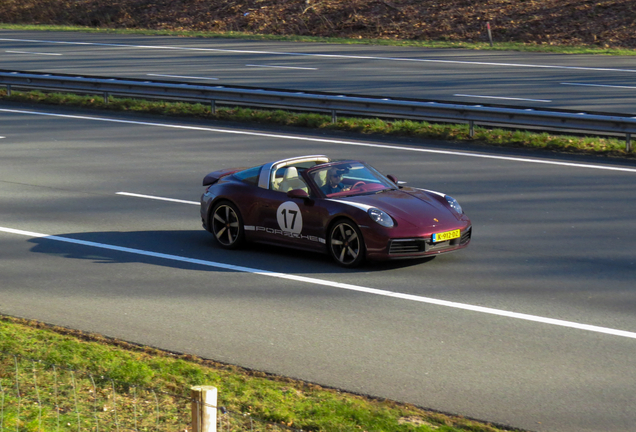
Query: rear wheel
(226, 225)
(345, 243)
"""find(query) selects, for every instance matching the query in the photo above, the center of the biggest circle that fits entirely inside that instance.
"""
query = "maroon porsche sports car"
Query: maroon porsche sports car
(344, 208)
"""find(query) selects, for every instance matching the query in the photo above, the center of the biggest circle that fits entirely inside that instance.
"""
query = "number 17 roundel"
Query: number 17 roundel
(289, 217)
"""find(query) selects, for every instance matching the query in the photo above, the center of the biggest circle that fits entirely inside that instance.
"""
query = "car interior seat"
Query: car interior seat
(291, 181)
(321, 178)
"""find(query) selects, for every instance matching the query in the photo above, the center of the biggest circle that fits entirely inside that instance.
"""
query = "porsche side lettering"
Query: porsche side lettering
(285, 233)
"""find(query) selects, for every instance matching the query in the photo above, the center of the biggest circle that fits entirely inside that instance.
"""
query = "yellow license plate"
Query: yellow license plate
(448, 235)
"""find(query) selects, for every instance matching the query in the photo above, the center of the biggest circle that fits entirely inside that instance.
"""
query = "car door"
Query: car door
(288, 221)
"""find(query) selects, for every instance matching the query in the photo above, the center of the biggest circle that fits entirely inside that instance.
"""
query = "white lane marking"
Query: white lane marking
(342, 56)
(338, 285)
(599, 85)
(157, 198)
(280, 67)
(504, 98)
(327, 141)
(36, 53)
(181, 76)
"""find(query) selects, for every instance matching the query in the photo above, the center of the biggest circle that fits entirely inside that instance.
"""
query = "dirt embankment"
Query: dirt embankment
(605, 23)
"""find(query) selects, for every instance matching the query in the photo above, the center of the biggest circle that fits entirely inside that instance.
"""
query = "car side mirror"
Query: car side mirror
(297, 193)
(395, 180)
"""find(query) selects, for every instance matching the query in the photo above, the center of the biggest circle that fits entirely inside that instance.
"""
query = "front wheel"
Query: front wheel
(345, 244)
(226, 225)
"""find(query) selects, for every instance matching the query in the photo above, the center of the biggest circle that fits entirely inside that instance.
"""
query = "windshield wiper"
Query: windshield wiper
(384, 190)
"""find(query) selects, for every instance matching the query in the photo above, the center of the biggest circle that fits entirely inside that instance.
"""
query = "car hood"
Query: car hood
(409, 206)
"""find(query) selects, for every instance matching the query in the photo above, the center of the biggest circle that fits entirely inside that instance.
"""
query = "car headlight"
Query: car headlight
(454, 204)
(381, 217)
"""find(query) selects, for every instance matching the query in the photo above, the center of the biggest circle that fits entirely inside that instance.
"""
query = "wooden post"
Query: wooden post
(204, 408)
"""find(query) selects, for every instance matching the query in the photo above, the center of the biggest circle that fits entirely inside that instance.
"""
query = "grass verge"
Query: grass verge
(399, 128)
(546, 47)
(283, 401)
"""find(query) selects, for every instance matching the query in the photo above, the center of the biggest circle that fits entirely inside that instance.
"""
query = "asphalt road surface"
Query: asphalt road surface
(532, 325)
(534, 80)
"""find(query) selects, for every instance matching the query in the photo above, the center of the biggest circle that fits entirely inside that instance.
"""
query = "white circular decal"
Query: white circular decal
(289, 217)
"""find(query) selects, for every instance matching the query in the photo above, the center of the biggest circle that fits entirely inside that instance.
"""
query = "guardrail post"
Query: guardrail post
(213, 106)
(334, 117)
(471, 129)
(489, 33)
(106, 97)
(204, 408)
(8, 89)
(628, 143)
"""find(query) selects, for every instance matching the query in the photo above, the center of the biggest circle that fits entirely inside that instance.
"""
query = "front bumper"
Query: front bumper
(413, 247)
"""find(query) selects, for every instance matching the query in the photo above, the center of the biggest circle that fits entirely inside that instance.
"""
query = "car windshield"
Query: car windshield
(349, 178)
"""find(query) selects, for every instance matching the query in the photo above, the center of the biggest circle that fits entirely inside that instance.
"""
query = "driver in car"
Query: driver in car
(334, 182)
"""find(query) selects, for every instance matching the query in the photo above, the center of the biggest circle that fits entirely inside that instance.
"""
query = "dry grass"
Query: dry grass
(593, 23)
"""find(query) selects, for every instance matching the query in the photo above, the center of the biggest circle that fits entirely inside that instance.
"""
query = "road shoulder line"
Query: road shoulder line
(338, 285)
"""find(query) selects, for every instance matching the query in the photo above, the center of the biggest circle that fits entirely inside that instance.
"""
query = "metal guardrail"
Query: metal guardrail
(328, 102)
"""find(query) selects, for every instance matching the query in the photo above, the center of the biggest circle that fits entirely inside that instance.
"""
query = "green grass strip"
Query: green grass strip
(399, 128)
(284, 401)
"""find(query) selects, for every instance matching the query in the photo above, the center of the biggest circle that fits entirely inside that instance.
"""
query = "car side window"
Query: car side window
(288, 178)
(277, 178)
(249, 176)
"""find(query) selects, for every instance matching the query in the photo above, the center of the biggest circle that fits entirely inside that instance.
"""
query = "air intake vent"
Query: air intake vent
(466, 236)
(407, 246)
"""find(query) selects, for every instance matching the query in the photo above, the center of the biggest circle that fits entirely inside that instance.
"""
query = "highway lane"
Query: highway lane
(579, 82)
(554, 238)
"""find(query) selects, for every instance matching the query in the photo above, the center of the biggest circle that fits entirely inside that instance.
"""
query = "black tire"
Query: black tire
(345, 243)
(227, 225)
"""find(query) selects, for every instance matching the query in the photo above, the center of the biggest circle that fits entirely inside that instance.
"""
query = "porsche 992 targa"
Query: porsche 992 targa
(344, 208)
